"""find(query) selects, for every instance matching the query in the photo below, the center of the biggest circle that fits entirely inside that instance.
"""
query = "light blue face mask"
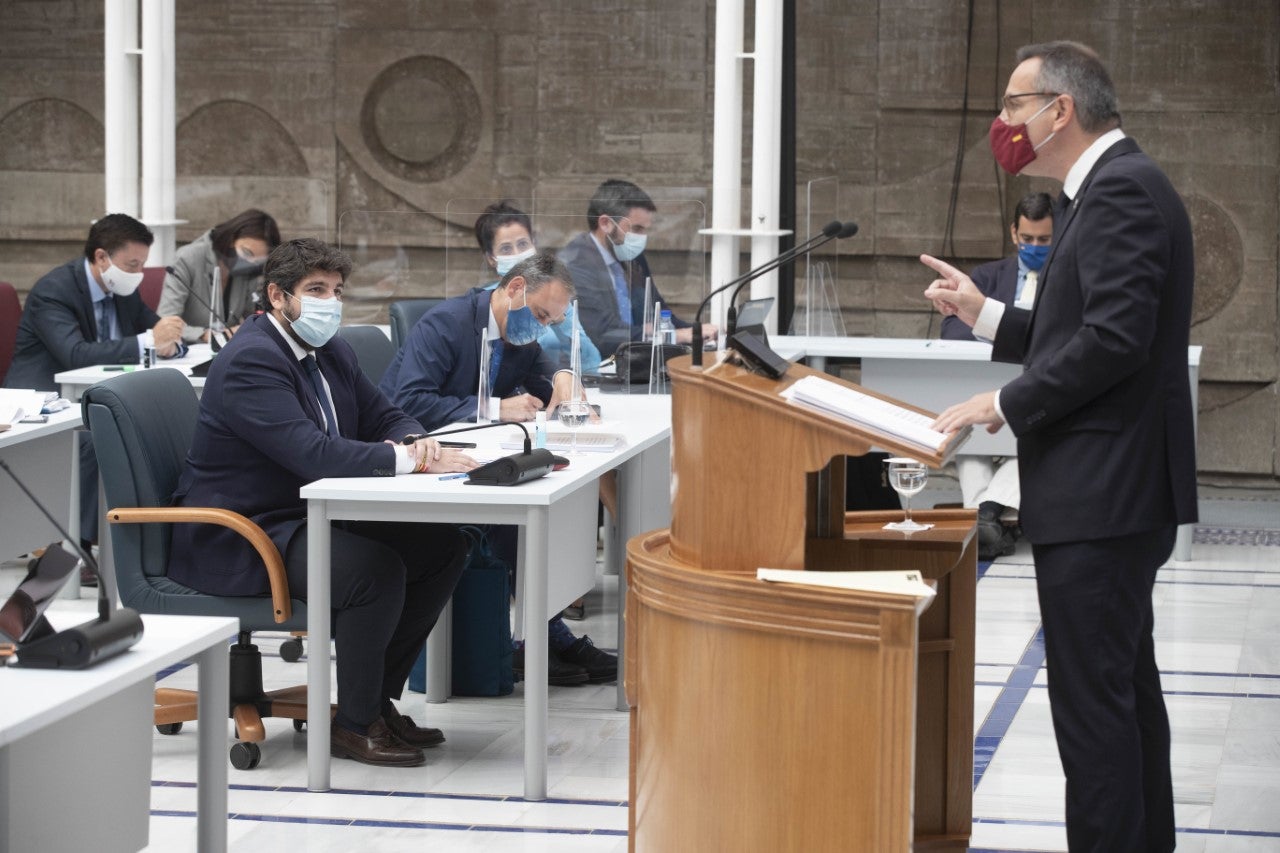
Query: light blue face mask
(1032, 257)
(522, 327)
(631, 247)
(318, 320)
(505, 263)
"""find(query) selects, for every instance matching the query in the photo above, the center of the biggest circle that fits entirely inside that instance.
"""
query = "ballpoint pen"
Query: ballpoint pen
(454, 476)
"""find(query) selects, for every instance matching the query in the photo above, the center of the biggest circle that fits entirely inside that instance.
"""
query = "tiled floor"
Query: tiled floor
(1218, 631)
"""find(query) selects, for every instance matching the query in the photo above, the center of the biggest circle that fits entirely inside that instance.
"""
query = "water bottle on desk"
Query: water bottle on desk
(666, 332)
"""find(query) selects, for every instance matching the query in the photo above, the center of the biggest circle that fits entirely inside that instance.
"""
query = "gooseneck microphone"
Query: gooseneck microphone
(214, 343)
(75, 648)
(831, 231)
(529, 464)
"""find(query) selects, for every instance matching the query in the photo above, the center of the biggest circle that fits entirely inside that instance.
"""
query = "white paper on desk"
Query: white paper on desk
(894, 583)
(854, 406)
(18, 403)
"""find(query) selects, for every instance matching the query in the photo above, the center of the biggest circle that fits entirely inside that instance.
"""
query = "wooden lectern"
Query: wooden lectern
(788, 717)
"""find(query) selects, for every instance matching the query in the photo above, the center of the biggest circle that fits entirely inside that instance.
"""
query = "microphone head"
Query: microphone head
(847, 230)
(832, 228)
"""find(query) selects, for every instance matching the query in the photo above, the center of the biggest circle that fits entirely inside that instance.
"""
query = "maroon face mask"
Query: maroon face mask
(1011, 145)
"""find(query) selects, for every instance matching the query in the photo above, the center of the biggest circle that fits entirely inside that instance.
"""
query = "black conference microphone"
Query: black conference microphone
(529, 464)
(830, 231)
(84, 645)
(848, 229)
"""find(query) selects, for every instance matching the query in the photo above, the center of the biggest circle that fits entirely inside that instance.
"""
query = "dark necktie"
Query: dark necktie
(622, 291)
(104, 308)
(495, 363)
(313, 373)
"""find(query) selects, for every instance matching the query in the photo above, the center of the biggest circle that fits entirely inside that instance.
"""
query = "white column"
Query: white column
(726, 164)
(766, 142)
(158, 122)
(120, 106)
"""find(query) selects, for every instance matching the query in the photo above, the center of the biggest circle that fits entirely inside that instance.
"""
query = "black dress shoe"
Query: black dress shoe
(410, 735)
(994, 539)
(379, 747)
(600, 666)
(560, 673)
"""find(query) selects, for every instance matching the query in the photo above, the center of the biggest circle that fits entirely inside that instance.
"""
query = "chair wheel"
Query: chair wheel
(299, 725)
(169, 728)
(245, 755)
(291, 650)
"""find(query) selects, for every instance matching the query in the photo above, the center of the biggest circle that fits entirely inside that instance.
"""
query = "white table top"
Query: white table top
(799, 346)
(86, 376)
(68, 418)
(642, 420)
(36, 698)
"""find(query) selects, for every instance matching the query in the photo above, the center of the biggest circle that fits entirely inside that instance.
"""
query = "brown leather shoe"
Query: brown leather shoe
(401, 725)
(379, 747)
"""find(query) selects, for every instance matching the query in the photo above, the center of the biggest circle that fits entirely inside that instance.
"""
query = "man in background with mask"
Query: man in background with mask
(610, 270)
(1106, 439)
(435, 375)
(88, 312)
(988, 484)
(285, 404)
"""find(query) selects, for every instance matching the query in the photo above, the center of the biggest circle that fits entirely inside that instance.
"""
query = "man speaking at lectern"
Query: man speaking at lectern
(1102, 413)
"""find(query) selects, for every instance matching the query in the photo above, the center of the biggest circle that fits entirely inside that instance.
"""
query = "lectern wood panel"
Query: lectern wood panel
(752, 705)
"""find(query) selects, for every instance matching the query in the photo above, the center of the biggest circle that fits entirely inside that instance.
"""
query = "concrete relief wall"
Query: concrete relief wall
(386, 126)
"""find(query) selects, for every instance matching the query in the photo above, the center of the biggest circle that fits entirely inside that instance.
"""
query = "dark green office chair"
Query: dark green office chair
(142, 425)
(404, 314)
(374, 349)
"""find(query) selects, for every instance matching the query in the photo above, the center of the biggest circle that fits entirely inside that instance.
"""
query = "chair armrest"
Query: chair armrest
(260, 541)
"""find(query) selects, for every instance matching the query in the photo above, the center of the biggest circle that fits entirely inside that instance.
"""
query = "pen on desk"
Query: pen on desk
(453, 476)
(112, 367)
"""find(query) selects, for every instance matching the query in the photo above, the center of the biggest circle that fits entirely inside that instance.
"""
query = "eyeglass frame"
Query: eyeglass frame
(1008, 108)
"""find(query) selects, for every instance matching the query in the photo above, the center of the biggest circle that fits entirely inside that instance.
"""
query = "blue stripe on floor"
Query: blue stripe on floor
(1021, 679)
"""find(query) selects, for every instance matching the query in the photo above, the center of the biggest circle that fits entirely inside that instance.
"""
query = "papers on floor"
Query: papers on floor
(588, 440)
(894, 583)
(16, 404)
(837, 400)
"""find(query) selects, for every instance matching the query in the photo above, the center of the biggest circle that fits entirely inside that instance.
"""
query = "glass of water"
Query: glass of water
(573, 414)
(908, 478)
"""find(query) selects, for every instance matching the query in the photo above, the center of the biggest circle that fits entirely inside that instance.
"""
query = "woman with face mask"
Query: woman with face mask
(505, 236)
(214, 279)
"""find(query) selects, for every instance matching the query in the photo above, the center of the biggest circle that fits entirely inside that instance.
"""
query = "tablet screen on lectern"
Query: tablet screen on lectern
(22, 616)
(754, 311)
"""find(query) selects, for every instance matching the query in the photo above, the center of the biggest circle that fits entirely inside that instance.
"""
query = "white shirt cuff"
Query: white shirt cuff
(404, 459)
(988, 320)
(999, 411)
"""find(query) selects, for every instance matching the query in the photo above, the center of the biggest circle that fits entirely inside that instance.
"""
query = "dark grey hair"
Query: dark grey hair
(1071, 68)
(539, 271)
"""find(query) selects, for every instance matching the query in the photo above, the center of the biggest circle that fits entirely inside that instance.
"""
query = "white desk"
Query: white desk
(73, 382)
(83, 738)
(556, 516)
(46, 458)
(935, 374)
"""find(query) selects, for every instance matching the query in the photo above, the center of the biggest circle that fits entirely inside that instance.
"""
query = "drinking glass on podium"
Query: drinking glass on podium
(908, 478)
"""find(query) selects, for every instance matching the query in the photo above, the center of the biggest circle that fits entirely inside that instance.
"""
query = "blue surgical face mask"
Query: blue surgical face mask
(522, 327)
(318, 320)
(1032, 257)
(505, 263)
(631, 247)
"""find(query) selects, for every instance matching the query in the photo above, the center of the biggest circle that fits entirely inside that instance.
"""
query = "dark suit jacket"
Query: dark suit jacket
(261, 438)
(1102, 411)
(435, 374)
(998, 280)
(597, 302)
(58, 330)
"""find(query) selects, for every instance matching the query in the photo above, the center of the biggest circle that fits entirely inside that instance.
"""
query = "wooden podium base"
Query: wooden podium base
(751, 706)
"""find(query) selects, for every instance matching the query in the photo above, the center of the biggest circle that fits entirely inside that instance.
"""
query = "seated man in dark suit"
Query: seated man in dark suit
(285, 403)
(991, 484)
(88, 312)
(435, 376)
(609, 268)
